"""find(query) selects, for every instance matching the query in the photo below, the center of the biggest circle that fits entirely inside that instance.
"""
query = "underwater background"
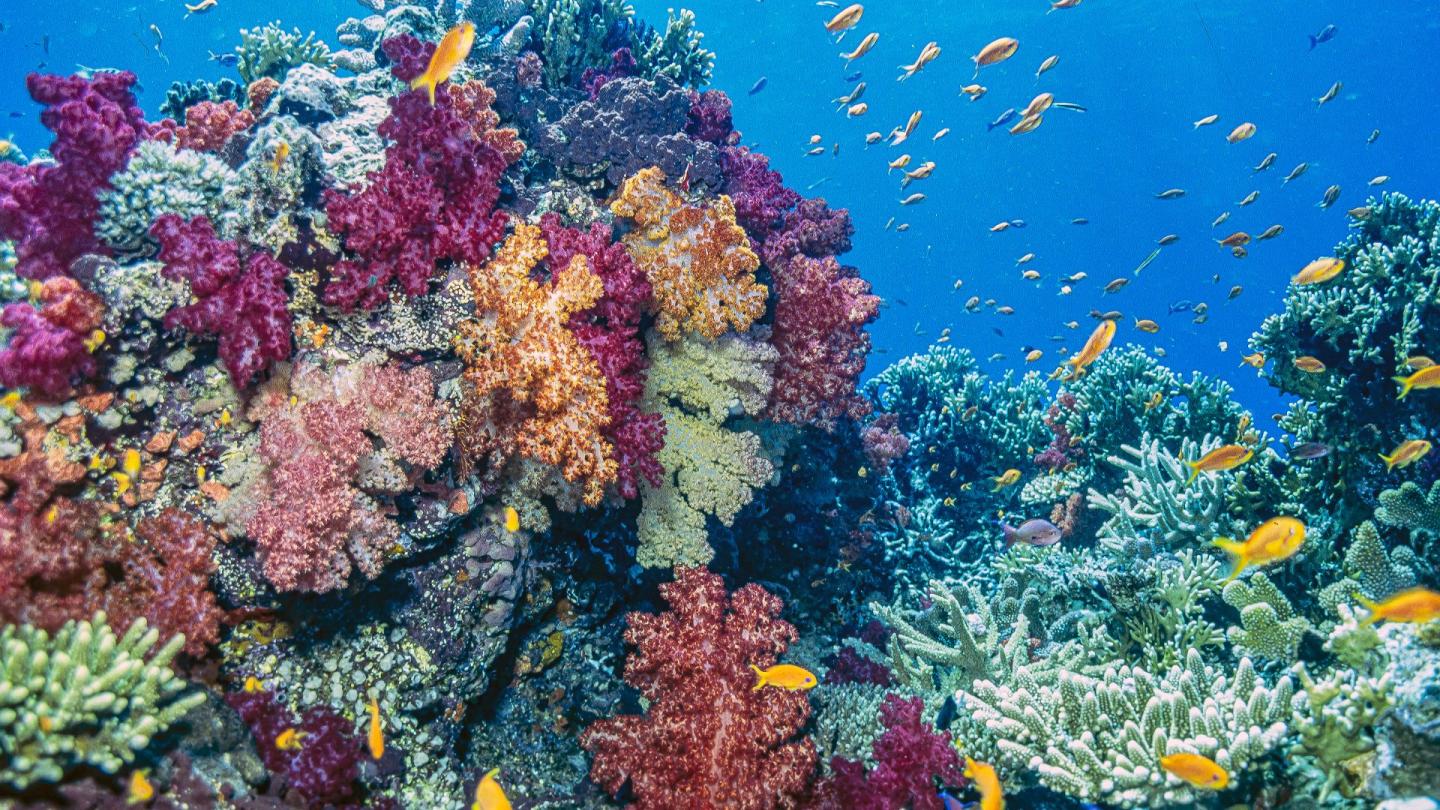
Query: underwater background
(539, 444)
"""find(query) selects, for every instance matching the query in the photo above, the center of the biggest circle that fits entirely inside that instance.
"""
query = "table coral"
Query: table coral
(533, 390)
(697, 259)
(50, 348)
(707, 738)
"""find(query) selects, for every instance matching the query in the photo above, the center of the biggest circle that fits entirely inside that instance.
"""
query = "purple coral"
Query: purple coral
(319, 772)
(760, 194)
(710, 117)
(47, 351)
(883, 441)
(912, 760)
(848, 666)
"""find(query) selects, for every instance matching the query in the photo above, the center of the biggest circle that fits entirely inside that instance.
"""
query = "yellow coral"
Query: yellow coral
(698, 260)
(534, 391)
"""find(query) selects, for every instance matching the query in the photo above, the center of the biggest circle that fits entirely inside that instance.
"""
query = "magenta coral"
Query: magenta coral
(912, 761)
(707, 739)
(323, 769)
(710, 117)
(48, 210)
(1063, 450)
(167, 580)
(47, 350)
(610, 331)
(883, 442)
(813, 229)
(210, 125)
(433, 201)
(760, 195)
(848, 666)
(244, 304)
(622, 64)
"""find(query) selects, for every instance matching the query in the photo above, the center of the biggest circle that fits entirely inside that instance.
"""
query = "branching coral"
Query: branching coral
(697, 259)
(83, 696)
(50, 348)
(1270, 628)
(1156, 499)
(707, 738)
(270, 52)
(533, 389)
(159, 180)
(1370, 569)
(572, 35)
(210, 125)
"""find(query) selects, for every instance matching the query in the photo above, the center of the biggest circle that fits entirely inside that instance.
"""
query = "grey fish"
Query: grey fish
(1005, 118)
(1017, 223)
(1266, 163)
(1148, 259)
(1270, 233)
(1249, 198)
(1171, 194)
(1374, 135)
(1079, 221)
(854, 77)
(759, 85)
(225, 59)
(1295, 172)
(1331, 195)
(1067, 105)
(1183, 305)
(1220, 219)
(1326, 34)
(1309, 451)
(1168, 239)
(1329, 95)
(1037, 532)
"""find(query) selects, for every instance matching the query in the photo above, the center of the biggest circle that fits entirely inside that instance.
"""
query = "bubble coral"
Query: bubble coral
(243, 303)
(47, 350)
(696, 258)
(707, 739)
(910, 757)
(534, 391)
(433, 201)
(48, 210)
(323, 769)
(210, 125)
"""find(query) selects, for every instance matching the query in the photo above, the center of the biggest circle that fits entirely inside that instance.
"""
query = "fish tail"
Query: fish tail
(1313, 43)
(424, 80)
(759, 678)
(1369, 604)
(1010, 534)
(1405, 386)
(1239, 568)
(1194, 472)
(1389, 461)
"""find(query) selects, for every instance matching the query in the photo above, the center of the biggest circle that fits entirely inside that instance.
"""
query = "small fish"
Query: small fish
(1329, 95)
(1147, 325)
(1373, 137)
(1379, 180)
(1071, 324)
(1406, 454)
(1031, 275)
(1417, 362)
(899, 136)
(1005, 118)
(1067, 105)
(1235, 292)
(1095, 345)
(1168, 239)
(452, 51)
(1309, 451)
(1006, 310)
(1000, 226)
(851, 97)
(1270, 233)
(873, 137)
(1220, 220)
(855, 77)
(917, 197)
(1080, 221)
(994, 53)
(758, 85)
(375, 736)
(927, 55)
(1295, 173)
(1274, 540)
(942, 133)
(1047, 65)
(921, 172)
(974, 91)
(1116, 285)
(983, 776)
(139, 790)
(1038, 105)
(1243, 132)
(1033, 355)
(289, 740)
(784, 676)
(1148, 259)
(860, 50)
(1331, 195)
(1154, 401)
(1326, 34)
(1207, 120)
(1265, 163)
(1063, 4)
(1319, 271)
(1360, 213)
(1249, 198)
(489, 795)
(1239, 252)
(1029, 124)
(1235, 239)
(1026, 259)
(902, 227)
(1224, 457)
(1309, 365)
(1017, 223)
(846, 19)
(855, 111)
(227, 60)
(1005, 479)
(1077, 277)
(1171, 194)
(1199, 771)
(202, 6)
(1413, 606)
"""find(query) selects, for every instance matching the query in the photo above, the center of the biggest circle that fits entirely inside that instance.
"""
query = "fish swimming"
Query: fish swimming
(783, 676)
(488, 793)
(1331, 195)
(1197, 770)
(452, 51)
(846, 19)
(1171, 194)
(860, 50)
(1319, 271)
(1406, 454)
(1095, 345)
(1225, 457)
(1414, 605)
(1326, 34)
(1037, 532)
(985, 781)
(997, 51)
(1275, 540)
(1005, 479)
(1240, 133)
(1309, 451)
(1329, 95)
(1425, 378)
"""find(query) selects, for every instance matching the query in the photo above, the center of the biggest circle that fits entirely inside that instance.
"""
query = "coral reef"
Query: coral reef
(269, 52)
(909, 758)
(159, 179)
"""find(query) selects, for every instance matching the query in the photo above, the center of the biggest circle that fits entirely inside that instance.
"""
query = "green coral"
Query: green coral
(1411, 508)
(1101, 738)
(271, 51)
(711, 468)
(1164, 617)
(1155, 499)
(1370, 569)
(159, 179)
(572, 35)
(1269, 627)
(676, 53)
(83, 697)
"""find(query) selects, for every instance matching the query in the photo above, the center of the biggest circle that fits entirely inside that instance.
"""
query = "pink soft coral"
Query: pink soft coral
(48, 351)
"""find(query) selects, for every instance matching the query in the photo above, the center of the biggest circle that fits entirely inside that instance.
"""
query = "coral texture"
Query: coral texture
(910, 758)
(322, 770)
(49, 349)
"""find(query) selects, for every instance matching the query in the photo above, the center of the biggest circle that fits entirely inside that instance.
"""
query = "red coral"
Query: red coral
(473, 100)
(911, 757)
(47, 350)
(259, 93)
(813, 229)
(209, 126)
(48, 210)
(610, 330)
(433, 201)
(323, 769)
(245, 305)
(707, 739)
(167, 581)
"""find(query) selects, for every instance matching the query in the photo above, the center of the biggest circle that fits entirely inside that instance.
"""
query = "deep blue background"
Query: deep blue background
(1146, 71)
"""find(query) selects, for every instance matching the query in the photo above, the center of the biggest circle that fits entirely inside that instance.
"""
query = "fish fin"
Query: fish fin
(1370, 605)
(759, 678)
(424, 80)
(1389, 461)
(1194, 472)
(1226, 544)
(1405, 386)
(1010, 534)
(492, 773)
(1313, 43)
(1239, 568)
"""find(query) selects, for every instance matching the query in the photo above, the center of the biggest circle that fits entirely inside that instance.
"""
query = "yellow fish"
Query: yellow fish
(1428, 377)
(784, 676)
(1147, 325)
(1225, 457)
(140, 789)
(1033, 355)
(1319, 271)
(1256, 360)
(899, 163)
(1154, 401)
(974, 91)
(449, 54)
(1406, 454)
(1240, 133)
(1272, 541)
(863, 48)
(1098, 342)
(1416, 606)
(1005, 479)
(289, 740)
(489, 795)
(512, 519)
(1310, 365)
(375, 737)
(983, 778)
(1201, 772)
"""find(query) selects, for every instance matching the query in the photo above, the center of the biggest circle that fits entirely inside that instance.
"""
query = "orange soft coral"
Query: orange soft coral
(534, 390)
(473, 102)
(697, 259)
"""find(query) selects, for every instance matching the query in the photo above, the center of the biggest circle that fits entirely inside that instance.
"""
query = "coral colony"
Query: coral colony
(353, 447)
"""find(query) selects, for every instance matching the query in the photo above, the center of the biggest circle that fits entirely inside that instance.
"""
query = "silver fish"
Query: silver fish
(1295, 172)
(1037, 532)
(1249, 198)
(1331, 195)
(1171, 194)
(1220, 220)
(1329, 95)
(1374, 136)
(1005, 118)
(1309, 451)
(1270, 233)
(1267, 162)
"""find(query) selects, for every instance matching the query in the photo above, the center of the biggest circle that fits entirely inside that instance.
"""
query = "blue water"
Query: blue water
(1145, 71)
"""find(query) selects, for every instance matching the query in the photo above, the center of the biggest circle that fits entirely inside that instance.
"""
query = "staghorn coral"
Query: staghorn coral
(1155, 498)
(1370, 569)
(706, 738)
(83, 697)
(533, 390)
(159, 179)
(50, 348)
(1270, 629)
(1101, 738)
(696, 258)
(709, 468)
(270, 52)
(847, 721)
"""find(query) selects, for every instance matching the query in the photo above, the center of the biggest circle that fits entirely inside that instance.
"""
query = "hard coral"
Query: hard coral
(911, 757)
(433, 201)
(242, 303)
(534, 390)
(209, 126)
(48, 210)
(707, 739)
(47, 351)
(697, 259)
(322, 770)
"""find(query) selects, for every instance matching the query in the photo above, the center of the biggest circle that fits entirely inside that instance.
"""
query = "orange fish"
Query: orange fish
(1309, 365)
(983, 778)
(1005, 479)
(1272, 541)
(783, 676)
(512, 519)
(375, 737)
(140, 789)
(1240, 133)
(489, 795)
(289, 740)
(1225, 457)
(1201, 772)
(846, 19)
(1428, 377)
(863, 48)
(1098, 342)
(927, 55)
(449, 54)
(1416, 606)
(1256, 360)
(1038, 105)
(994, 53)
(1319, 271)
(1406, 454)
